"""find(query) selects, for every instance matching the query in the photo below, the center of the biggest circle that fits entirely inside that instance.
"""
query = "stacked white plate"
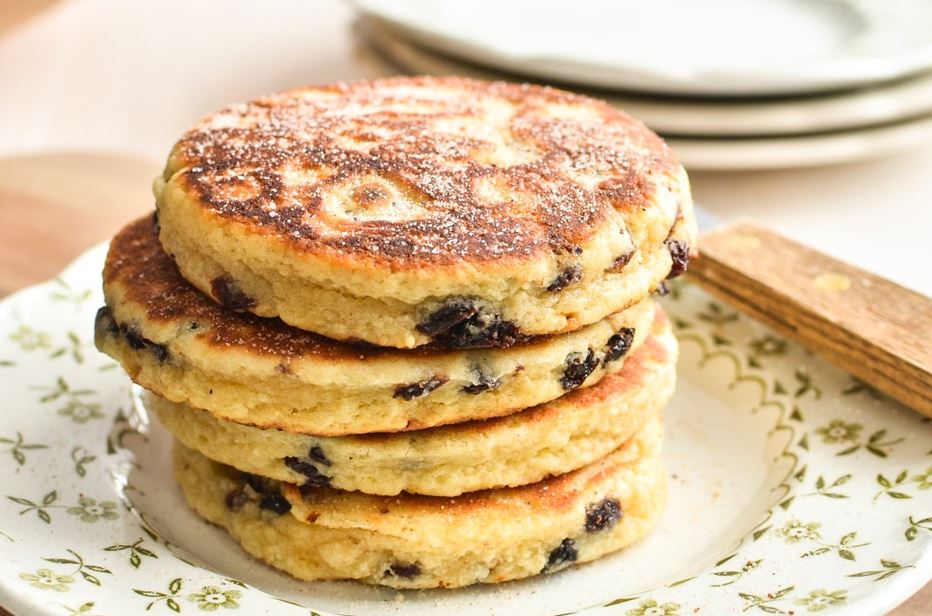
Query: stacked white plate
(731, 84)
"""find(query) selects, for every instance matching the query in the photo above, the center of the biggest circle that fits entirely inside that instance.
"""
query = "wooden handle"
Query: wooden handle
(878, 331)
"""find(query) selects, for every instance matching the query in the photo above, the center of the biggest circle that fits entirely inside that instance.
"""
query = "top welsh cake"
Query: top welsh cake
(412, 210)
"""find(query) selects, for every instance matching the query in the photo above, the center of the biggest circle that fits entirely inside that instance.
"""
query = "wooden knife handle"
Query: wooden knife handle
(878, 331)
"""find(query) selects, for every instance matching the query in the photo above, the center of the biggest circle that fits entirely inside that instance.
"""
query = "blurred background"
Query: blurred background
(812, 117)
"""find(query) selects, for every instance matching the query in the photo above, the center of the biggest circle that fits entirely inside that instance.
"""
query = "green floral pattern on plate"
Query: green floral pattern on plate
(848, 490)
(89, 510)
(211, 598)
(650, 607)
(46, 579)
(17, 447)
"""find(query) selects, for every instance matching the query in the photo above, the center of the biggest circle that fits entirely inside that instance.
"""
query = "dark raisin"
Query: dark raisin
(485, 383)
(577, 369)
(317, 454)
(662, 289)
(161, 353)
(235, 499)
(566, 278)
(679, 252)
(138, 342)
(314, 476)
(619, 344)
(134, 340)
(421, 388)
(404, 570)
(620, 263)
(228, 293)
(447, 317)
(461, 325)
(602, 515)
(480, 332)
(566, 552)
(275, 502)
(104, 321)
(257, 483)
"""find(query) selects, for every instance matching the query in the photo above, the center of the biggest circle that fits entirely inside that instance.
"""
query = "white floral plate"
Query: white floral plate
(794, 489)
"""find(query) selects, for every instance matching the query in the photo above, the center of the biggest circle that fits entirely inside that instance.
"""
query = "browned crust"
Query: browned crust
(148, 278)
(235, 164)
(554, 494)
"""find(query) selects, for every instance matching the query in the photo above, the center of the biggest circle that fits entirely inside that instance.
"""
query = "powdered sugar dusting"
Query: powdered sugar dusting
(144, 276)
(565, 162)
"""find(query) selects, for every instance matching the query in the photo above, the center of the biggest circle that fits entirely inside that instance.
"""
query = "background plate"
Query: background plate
(715, 47)
(737, 148)
(801, 150)
(793, 488)
(894, 101)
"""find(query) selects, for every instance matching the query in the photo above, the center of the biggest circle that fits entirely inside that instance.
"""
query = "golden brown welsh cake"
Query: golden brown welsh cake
(410, 541)
(177, 343)
(550, 439)
(413, 210)
(401, 329)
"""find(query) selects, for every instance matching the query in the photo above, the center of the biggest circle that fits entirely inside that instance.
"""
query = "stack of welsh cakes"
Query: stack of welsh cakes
(401, 330)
